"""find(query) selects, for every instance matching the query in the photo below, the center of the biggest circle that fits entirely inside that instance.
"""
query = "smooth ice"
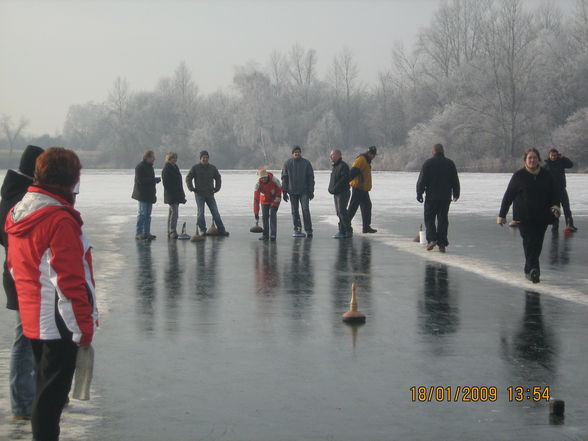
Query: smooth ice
(234, 339)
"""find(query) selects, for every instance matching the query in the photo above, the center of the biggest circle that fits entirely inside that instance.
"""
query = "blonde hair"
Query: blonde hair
(171, 155)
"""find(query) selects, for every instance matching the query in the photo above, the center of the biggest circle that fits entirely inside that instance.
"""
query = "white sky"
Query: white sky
(57, 53)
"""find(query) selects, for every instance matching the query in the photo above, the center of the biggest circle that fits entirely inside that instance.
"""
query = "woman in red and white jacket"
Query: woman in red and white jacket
(268, 192)
(50, 261)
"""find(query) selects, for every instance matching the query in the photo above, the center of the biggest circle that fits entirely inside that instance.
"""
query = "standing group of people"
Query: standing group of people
(49, 282)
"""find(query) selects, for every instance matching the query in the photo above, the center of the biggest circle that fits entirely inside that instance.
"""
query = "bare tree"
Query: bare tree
(12, 132)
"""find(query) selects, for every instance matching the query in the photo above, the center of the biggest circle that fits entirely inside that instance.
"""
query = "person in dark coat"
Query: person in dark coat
(557, 163)
(204, 180)
(339, 188)
(534, 194)
(22, 364)
(144, 191)
(439, 180)
(298, 188)
(173, 192)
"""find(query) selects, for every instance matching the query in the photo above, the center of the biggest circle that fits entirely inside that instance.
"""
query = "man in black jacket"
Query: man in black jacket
(339, 188)
(439, 180)
(22, 364)
(557, 164)
(144, 191)
(298, 187)
(173, 192)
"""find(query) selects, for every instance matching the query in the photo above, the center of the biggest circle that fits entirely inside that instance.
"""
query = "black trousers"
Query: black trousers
(532, 235)
(341, 201)
(437, 221)
(361, 199)
(565, 203)
(55, 364)
(269, 218)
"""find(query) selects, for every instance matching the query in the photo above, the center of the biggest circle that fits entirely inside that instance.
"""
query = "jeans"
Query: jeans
(56, 362)
(361, 199)
(144, 218)
(533, 235)
(436, 212)
(211, 202)
(341, 201)
(172, 218)
(304, 201)
(269, 217)
(22, 373)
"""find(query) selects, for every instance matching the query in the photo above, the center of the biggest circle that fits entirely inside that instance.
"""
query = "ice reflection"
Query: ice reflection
(146, 289)
(267, 273)
(559, 253)
(174, 272)
(298, 276)
(532, 348)
(438, 308)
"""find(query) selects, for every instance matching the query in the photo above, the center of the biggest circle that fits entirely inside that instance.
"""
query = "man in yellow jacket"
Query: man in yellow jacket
(360, 177)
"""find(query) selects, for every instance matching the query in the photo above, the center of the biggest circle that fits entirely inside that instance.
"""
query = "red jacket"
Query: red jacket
(269, 193)
(50, 261)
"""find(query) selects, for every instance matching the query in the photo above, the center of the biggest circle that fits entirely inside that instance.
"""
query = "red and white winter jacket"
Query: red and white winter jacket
(268, 193)
(49, 258)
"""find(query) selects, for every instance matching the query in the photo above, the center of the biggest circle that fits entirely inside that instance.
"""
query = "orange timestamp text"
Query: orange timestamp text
(476, 394)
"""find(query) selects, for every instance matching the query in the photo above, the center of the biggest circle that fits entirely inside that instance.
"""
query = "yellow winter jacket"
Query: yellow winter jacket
(364, 180)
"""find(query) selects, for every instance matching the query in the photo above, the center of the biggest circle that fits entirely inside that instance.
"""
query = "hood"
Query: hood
(14, 183)
(34, 208)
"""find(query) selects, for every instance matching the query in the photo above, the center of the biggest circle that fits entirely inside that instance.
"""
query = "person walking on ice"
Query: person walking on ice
(360, 177)
(298, 187)
(535, 196)
(339, 188)
(439, 180)
(204, 180)
(268, 193)
(557, 163)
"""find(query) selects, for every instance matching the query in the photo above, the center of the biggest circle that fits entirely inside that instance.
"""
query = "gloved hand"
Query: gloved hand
(311, 196)
(420, 198)
(157, 180)
(500, 221)
(285, 196)
(256, 217)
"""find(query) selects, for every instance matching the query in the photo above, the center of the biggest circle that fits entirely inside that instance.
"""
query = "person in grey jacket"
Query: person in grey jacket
(298, 187)
(205, 180)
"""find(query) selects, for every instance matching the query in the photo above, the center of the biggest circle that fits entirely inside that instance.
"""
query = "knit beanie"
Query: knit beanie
(204, 153)
(28, 159)
(296, 147)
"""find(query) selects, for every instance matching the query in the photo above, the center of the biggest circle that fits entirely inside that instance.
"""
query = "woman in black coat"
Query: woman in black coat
(536, 205)
(173, 192)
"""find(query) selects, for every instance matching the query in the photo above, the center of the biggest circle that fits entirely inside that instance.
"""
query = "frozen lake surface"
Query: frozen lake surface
(234, 339)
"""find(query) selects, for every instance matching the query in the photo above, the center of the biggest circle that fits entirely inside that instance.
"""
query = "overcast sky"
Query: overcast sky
(57, 53)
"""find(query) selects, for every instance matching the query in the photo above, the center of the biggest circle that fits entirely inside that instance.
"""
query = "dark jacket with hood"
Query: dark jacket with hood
(558, 170)
(13, 189)
(533, 197)
(173, 188)
(204, 180)
(438, 178)
(145, 180)
(297, 176)
(339, 182)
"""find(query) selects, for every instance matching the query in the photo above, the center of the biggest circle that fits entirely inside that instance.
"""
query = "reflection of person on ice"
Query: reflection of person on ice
(536, 202)
(268, 193)
(439, 180)
(557, 163)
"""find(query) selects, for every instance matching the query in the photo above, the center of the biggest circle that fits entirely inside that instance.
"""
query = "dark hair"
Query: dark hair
(532, 150)
(553, 151)
(148, 154)
(438, 148)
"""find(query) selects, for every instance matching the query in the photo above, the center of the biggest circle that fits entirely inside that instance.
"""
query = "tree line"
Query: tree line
(486, 78)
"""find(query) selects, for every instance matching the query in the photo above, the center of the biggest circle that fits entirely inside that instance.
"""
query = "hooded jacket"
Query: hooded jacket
(268, 193)
(13, 189)
(173, 189)
(49, 258)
